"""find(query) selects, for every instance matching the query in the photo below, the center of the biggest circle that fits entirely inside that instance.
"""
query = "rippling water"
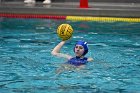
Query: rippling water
(26, 65)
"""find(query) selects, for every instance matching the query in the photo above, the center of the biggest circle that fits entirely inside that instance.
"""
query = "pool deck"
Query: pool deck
(97, 9)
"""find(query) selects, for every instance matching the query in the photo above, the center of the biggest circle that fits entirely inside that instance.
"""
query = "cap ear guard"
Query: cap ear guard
(84, 44)
(85, 52)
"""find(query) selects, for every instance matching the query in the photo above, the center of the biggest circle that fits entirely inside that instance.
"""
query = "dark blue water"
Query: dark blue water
(26, 65)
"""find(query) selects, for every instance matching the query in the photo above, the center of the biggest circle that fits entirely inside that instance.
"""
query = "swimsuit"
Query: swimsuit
(77, 61)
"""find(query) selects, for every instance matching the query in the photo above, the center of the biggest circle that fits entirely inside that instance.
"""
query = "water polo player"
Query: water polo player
(80, 50)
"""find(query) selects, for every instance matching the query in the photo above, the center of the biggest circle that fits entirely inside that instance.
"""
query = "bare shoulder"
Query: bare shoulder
(90, 59)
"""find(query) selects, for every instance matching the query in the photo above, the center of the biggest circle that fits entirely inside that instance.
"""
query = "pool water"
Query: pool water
(27, 66)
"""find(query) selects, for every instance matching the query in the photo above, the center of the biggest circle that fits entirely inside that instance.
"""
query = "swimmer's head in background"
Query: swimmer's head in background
(84, 44)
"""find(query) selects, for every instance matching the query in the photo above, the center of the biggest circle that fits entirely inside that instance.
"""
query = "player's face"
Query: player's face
(79, 50)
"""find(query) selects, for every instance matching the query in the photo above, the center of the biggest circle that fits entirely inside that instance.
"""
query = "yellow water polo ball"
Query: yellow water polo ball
(65, 31)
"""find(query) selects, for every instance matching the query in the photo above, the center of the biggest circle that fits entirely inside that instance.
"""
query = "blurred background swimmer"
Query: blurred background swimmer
(80, 50)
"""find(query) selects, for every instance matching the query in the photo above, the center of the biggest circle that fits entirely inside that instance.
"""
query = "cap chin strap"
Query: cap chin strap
(80, 56)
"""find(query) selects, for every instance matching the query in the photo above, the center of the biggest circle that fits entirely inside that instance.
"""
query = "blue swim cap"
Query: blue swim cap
(84, 44)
